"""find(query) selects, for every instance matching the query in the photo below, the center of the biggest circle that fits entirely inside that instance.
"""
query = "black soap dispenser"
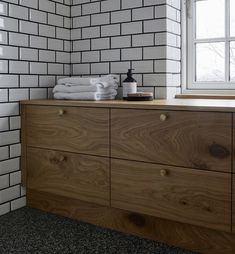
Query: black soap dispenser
(129, 84)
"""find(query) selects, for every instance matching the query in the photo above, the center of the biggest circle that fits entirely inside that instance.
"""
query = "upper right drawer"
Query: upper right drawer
(190, 139)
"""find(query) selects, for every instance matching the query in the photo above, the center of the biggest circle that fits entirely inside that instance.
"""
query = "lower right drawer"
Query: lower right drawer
(187, 195)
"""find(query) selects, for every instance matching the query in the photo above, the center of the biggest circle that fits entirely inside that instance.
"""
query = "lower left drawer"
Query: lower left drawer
(82, 177)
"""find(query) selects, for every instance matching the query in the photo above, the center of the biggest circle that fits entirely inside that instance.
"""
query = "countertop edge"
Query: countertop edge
(173, 104)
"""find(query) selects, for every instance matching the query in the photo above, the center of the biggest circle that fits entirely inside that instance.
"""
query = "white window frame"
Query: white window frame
(188, 54)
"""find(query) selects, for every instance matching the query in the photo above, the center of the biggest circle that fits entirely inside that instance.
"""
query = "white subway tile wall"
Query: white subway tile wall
(111, 36)
(43, 40)
(34, 53)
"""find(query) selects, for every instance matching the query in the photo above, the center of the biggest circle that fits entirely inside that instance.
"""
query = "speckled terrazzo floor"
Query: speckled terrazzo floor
(31, 231)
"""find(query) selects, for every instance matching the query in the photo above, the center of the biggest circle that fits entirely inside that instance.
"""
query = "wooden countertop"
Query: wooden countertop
(174, 104)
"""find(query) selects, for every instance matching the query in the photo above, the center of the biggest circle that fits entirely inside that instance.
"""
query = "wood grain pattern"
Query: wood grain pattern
(77, 176)
(183, 139)
(197, 197)
(82, 130)
(23, 160)
(172, 104)
(186, 236)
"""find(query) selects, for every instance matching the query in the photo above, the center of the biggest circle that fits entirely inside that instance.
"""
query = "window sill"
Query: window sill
(206, 96)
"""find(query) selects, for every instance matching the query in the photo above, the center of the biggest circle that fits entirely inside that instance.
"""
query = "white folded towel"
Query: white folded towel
(77, 81)
(89, 88)
(90, 96)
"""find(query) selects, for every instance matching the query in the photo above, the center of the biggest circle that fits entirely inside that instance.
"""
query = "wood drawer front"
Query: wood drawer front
(70, 175)
(73, 129)
(189, 139)
(191, 196)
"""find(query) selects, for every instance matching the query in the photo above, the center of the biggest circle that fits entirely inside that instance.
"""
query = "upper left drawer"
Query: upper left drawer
(73, 129)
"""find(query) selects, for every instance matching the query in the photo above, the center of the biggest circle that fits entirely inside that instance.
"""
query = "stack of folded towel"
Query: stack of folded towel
(75, 88)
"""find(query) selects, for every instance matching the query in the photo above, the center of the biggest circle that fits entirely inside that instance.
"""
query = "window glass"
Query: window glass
(232, 61)
(232, 17)
(210, 18)
(210, 62)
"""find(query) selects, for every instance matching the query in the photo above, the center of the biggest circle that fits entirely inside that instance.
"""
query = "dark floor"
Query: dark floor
(32, 231)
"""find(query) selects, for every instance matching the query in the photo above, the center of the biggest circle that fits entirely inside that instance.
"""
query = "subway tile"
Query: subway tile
(121, 16)
(16, 94)
(55, 44)
(4, 124)
(9, 194)
(110, 30)
(55, 20)
(143, 40)
(3, 37)
(15, 150)
(18, 12)
(18, 203)
(38, 93)
(15, 178)
(14, 122)
(3, 8)
(7, 138)
(132, 28)
(90, 8)
(111, 55)
(9, 24)
(110, 5)
(4, 66)
(143, 13)
(131, 4)
(28, 27)
(47, 81)
(38, 68)
(29, 54)
(100, 68)
(4, 154)
(7, 81)
(55, 69)
(46, 5)
(132, 54)
(18, 67)
(31, 3)
(100, 19)
(7, 52)
(4, 208)
(46, 56)
(18, 39)
(100, 43)
(90, 56)
(38, 16)
(90, 32)
(46, 30)
(121, 42)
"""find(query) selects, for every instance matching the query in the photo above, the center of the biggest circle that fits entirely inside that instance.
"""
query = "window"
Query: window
(210, 43)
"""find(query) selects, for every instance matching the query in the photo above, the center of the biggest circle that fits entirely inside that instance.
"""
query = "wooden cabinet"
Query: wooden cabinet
(81, 130)
(192, 196)
(189, 139)
(134, 167)
(70, 175)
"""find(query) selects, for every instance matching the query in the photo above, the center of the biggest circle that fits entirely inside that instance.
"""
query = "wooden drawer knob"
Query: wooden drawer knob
(163, 117)
(61, 112)
(163, 172)
(61, 158)
(58, 159)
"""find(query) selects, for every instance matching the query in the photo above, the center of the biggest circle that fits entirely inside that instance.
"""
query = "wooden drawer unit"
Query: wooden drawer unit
(189, 139)
(73, 129)
(82, 177)
(187, 195)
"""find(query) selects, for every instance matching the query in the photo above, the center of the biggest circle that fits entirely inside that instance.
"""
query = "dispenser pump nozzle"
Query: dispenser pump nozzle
(129, 73)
